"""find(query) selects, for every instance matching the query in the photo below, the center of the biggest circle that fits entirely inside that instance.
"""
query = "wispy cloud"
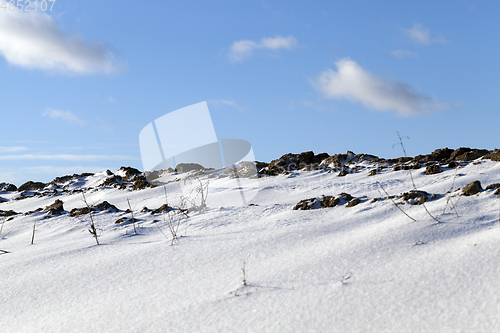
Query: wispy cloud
(111, 99)
(12, 149)
(404, 54)
(65, 157)
(33, 40)
(243, 49)
(420, 34)
(353, 83)
(65, 115)
(226, 102)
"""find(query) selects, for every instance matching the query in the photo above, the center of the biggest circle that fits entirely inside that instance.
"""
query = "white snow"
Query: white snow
(366, 268)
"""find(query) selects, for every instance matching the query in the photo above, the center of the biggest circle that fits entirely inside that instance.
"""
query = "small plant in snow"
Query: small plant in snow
(346, 277)
(33, 236)
(200, 190)
(132, 212)
(92, 230)
(243, 269)
(3, 222)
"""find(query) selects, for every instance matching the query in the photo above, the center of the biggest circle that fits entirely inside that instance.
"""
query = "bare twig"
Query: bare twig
(3, 222)
(243, 269)
(411, 176)
(155, 222)
(449, 196)
(173, 227)
(92, 230)
(33, 236)
(132, 212)
(346, 277)
(395, 204)
(166, 197)
(3, 251)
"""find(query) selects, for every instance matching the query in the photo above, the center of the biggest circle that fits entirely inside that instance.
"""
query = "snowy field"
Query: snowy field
(367, 268)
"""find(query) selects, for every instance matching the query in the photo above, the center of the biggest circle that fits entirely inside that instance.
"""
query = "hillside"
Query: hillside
(342, 243)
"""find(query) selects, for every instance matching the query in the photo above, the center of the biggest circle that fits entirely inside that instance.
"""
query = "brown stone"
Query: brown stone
(353, 202)
(433, 169)
(472, 188)
(56, 208)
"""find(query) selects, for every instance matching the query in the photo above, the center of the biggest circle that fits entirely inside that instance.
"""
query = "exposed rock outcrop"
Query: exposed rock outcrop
(31, 186)
(472, 188)
(56, 208)
(6, 187)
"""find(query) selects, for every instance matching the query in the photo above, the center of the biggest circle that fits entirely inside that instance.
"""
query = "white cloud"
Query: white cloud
(226, 102)
(58, 114)
(404, 54)
(33, 40)
(65, 157)
(111, 99)
(353, 83)
(420, 34)
(12, 149)
(243, 49)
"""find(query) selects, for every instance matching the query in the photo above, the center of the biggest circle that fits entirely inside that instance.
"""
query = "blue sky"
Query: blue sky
(78, 83)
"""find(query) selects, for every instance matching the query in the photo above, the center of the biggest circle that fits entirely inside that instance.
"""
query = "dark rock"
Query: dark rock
(128, 172)
(25, 195)
(373, 172)
(30, 186)
(453, 164)
(5, 187)
(56, 208)
(121, 220)
(165, 208)
(397, 160)
(497, 192)
(467, 154)
(329, 201)
(338, 160)
(106, 206)
(315, 203)
(440, 154)
(345, 196)
(186, 167)
(33, 211)
(64, 179)
(418, 197)
(7, 213)
(458, 152)
(145, 209)
(353, 202)
(493, 186)
(494, 156)
(114, 181)
(289, 162)
(436, 156)
(103, 206)
(433, 169)
(307, 204)
(374, 200)
(79, 211)
(260, 165)
(343, 172)
(472, 188)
